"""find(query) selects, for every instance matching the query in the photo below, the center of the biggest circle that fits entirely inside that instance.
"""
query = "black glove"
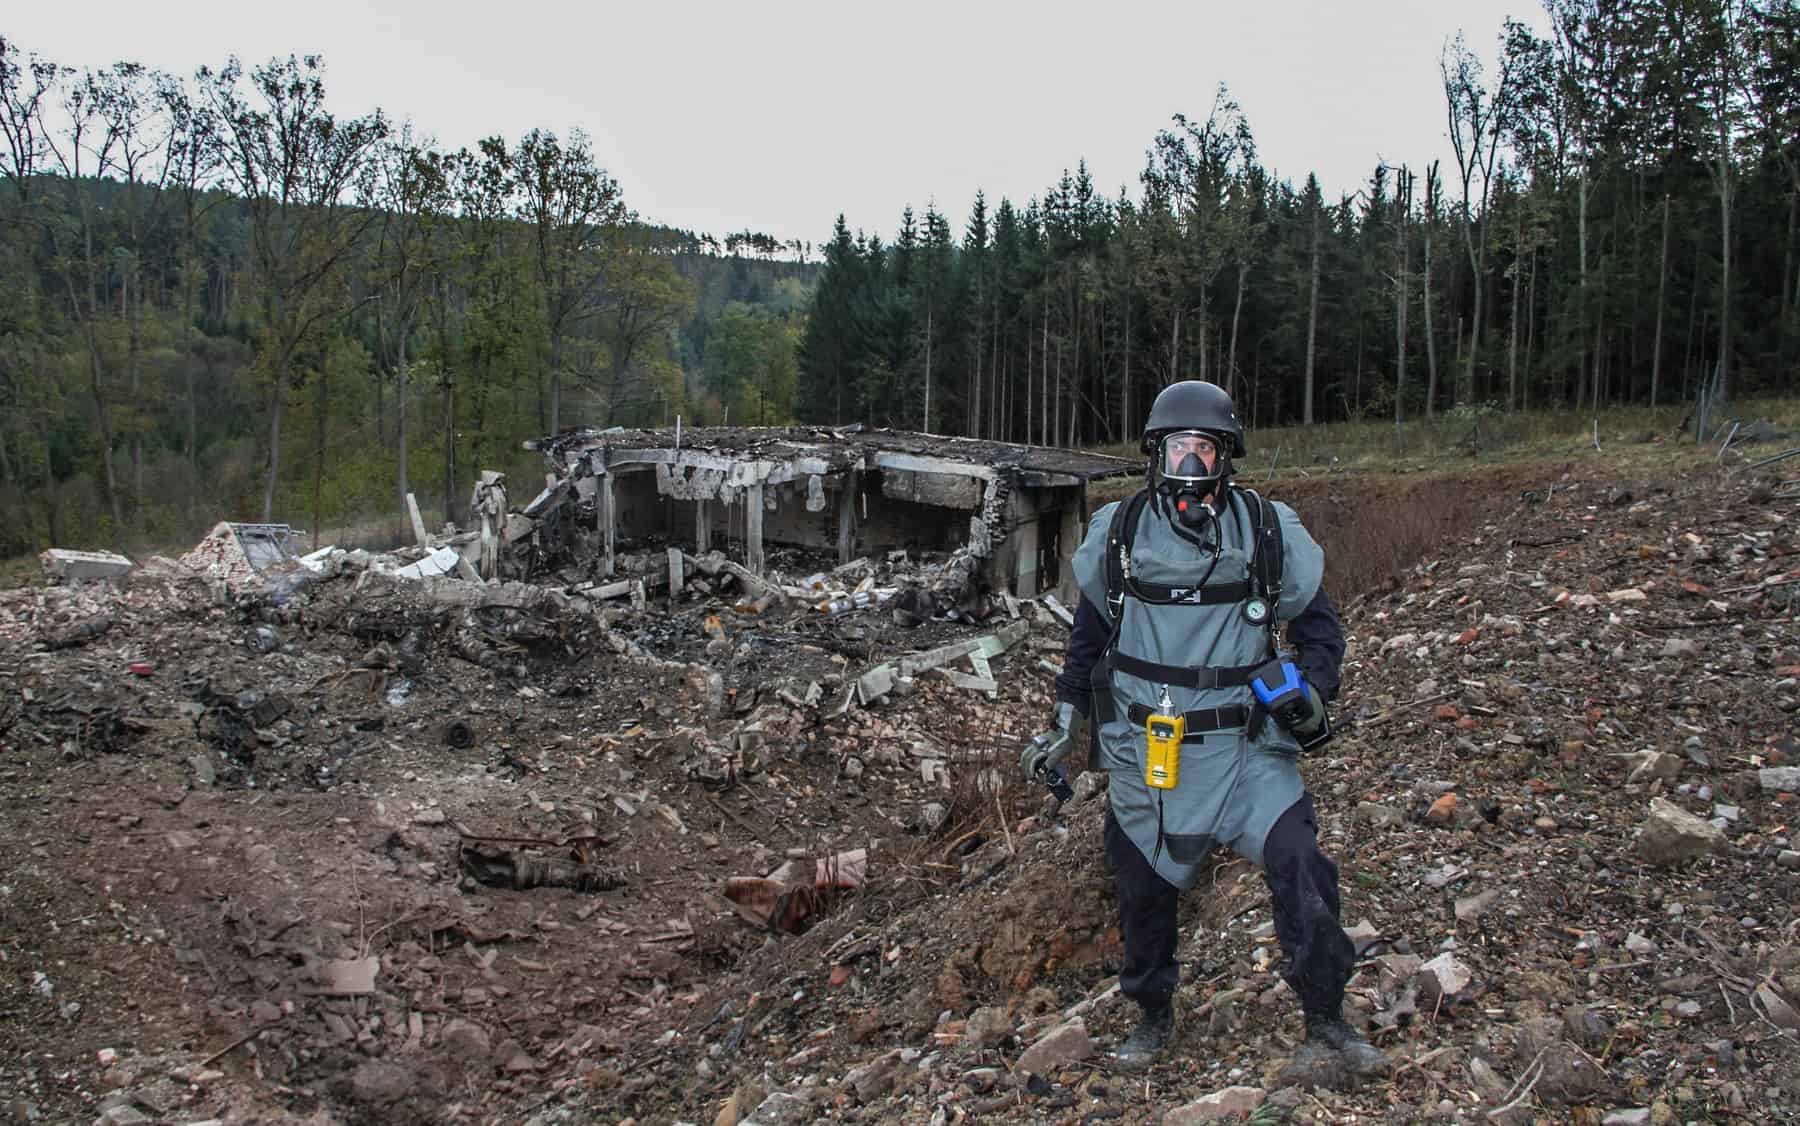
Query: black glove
(1288, 698)
(1049, 748)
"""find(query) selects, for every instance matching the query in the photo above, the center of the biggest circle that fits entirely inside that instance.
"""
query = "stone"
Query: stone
(467, 1041)
(1679, 647)
(1065, 1044)
(782, 1109)
(1779, 779)
(380, 1083)
(1631, 1116)
(875, 1078)
(1648, 765)
(988, 1027)
(1442, 978)
(349, 976)
(1380, 816)
(1474, 906)
(1569, 1076)
(1231, 1102)
(1671, 835)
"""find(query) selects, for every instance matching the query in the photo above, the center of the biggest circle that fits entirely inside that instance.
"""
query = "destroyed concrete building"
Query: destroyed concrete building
(1010, 516)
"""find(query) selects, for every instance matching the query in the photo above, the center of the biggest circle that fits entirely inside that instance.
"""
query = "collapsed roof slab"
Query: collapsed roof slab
(782, 477)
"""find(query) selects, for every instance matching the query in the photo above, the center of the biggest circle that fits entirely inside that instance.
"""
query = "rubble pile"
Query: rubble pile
(734, 848)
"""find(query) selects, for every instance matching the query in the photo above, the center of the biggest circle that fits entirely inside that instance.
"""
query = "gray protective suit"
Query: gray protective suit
(1231, 788)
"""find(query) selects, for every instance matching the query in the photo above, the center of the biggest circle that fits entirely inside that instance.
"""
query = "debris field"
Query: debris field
(327, 843)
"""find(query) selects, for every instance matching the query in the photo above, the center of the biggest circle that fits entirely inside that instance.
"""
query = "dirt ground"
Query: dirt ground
(367, 857)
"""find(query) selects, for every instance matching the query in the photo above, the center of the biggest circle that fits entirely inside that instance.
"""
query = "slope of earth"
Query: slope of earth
(1516, 705)
(244, 887)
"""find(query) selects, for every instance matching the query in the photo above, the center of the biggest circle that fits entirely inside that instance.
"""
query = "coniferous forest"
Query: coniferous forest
(220, 296)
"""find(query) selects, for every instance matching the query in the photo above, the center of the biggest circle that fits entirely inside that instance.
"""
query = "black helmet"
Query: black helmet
(1194, 405)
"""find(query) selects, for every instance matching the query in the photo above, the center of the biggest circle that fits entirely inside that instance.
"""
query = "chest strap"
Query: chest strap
(1213, 594)
(1200, 722)
(1232, 676)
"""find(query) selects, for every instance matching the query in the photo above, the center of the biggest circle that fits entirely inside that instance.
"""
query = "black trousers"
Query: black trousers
(1303, 883)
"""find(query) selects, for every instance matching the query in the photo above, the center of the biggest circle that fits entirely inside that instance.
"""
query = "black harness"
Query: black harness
(1259, 593)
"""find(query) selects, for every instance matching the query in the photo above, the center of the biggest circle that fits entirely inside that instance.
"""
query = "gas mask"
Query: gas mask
(1189, 466)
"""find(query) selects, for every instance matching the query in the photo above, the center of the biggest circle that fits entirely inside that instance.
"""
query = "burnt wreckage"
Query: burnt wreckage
(1008, 516)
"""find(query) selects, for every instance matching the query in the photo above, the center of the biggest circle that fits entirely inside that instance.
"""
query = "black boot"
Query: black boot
(1361, 1057)
(1147, 1040)
(1334, 1056)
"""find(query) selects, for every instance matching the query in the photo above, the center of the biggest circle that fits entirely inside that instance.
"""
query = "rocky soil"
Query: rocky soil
(372, 855)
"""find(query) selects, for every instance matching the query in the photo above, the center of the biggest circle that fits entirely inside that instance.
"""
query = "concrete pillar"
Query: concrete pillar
(675, 575)
(846, 515)
(753, 529)
(609, 525)
(702, 527)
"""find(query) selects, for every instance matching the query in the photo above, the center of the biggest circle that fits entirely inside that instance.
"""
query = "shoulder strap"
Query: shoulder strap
(1265, 562)
(1119, 534)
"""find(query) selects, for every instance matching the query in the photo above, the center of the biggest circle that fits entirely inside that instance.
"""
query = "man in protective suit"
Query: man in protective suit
(1200, 718)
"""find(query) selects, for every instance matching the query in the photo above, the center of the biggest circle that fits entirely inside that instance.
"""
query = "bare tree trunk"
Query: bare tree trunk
(1530, 329)
(1467, 393)
(1312, 323)
(1724, 386)
(134, 367)
(103, 415)
(1175, 347)
(1203, 319)
(187, 363)
(1237, 309)
(928, 311)
(1044, 436)
(1662, 286)
(320, 407)
(1431, 367)
(1125, 404)
(400, 418)
(275, 407)
(1512, 351)
(1403, 204)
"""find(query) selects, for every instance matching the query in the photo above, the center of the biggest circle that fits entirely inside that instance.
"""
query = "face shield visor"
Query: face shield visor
(1189, 460)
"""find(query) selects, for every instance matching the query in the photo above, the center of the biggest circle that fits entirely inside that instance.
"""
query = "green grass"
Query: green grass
(1465, 437)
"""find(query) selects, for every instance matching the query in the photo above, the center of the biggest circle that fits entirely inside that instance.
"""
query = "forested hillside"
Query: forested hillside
(1618, 224)
(219, 297)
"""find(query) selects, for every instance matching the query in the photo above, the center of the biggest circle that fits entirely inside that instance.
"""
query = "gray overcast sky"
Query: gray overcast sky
(776, 116)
